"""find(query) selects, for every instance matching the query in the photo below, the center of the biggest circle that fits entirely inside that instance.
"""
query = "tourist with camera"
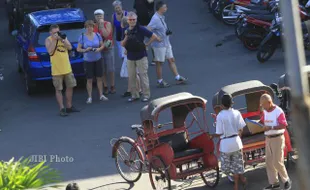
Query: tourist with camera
(137, 56)
(58, 46)
(104, 28)
(91, 45)
(163, 49)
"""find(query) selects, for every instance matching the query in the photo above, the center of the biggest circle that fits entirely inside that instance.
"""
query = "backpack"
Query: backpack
(134, 44)
(83, 39)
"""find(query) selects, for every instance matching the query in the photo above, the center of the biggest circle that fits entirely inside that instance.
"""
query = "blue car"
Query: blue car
(31, 55)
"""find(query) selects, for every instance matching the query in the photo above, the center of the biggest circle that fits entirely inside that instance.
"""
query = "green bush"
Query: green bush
(22, 174)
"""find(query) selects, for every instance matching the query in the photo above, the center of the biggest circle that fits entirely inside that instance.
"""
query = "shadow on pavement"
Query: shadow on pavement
(112, 186)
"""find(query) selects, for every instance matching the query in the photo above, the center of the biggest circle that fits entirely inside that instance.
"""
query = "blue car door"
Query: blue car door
(22, 39)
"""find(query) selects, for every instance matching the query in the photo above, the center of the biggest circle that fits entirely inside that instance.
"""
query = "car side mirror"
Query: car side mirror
(14, 33)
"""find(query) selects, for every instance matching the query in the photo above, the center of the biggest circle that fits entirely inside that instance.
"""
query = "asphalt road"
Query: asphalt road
(31, 126)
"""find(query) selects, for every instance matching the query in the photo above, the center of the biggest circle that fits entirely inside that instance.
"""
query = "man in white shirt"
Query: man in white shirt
(275, 123)
(229, 126)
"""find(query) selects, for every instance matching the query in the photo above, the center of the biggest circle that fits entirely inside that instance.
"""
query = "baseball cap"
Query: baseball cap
(99, 12)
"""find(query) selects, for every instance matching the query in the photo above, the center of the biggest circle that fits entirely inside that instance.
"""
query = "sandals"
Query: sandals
(112, 90)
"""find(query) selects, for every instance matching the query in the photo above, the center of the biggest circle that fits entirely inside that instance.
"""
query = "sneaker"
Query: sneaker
(72, 109)
(126, 94)
(153, 64)
(89, 100)
(63, 112)
(103, 98)
(145, 99)
(288, 185)
(181, 80)
(162, 84)
(272, 187)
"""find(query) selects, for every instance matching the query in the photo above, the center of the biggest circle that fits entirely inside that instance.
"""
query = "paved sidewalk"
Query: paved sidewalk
(257, 179)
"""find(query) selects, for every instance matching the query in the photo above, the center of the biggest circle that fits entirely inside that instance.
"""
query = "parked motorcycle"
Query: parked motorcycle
(232, 11)
(270, 43)
(249, 22)
(252, 36)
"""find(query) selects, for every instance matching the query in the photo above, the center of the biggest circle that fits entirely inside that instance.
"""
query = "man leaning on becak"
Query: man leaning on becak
(275, 123)
(58, 48)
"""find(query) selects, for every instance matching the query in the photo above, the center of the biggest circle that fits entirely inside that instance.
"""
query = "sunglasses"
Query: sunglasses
(131, 19)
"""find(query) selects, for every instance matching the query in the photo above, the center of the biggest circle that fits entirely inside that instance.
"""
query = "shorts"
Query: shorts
(108, 60)
(120, 49)
(69, 80)
(162, 53)
(232, 163)
(93, 69)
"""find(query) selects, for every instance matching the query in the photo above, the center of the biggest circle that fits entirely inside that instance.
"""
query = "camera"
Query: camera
(168, 32)
(62, 35)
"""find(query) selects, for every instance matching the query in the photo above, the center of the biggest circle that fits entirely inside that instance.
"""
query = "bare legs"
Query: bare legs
(111, 76)
(89, 86)
(59, 98)
(238, 177)
(172, 66)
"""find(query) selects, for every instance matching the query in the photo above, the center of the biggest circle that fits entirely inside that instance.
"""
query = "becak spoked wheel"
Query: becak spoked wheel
(159, 175)
(211, 177)
(128, 161)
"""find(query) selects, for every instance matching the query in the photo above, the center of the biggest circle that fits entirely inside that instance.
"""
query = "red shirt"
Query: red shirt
(110, 37)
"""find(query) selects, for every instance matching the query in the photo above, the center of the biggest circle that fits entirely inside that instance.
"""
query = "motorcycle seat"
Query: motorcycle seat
(257, 12)
(256, 7)
(262, 17)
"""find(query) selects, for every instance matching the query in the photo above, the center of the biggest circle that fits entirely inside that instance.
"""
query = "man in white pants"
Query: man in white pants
(163, 49)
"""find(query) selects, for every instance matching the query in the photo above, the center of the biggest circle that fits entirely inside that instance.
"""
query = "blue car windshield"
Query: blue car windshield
(72, 30)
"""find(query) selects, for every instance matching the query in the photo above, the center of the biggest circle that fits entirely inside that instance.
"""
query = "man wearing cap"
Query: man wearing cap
(105, 29)
(275, 123)
(229, 127)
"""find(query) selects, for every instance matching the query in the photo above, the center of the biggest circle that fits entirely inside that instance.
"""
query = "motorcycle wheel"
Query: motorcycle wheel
(265, 52)
(230, 10)
(252, 44)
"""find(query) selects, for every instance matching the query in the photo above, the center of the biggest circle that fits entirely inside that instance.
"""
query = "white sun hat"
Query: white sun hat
(99, 12)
